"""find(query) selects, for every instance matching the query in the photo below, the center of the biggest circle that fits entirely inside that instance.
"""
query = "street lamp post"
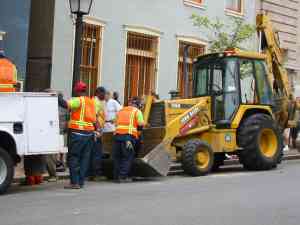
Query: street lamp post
(78, 8)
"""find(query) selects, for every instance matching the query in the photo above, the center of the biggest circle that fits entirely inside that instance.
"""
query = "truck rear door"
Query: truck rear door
(42, 124)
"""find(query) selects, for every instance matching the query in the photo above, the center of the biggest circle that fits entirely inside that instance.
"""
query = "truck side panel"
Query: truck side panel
(12, 108)
(42, 125)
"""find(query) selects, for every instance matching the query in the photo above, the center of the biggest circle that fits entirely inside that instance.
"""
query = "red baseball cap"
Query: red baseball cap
(80, 87)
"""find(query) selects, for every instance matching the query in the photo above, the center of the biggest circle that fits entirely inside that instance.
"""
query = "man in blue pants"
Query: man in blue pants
(82, 127)
(129, 123)
(80, 147)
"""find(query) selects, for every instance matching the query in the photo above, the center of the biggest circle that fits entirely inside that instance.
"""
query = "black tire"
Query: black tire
(7, 177)
(190, 162)
(254, 155)
(219, 159)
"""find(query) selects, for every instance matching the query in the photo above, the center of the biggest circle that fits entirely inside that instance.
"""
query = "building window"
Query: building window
(195, 3)
(194, 50)
(235, 6)
(90, 60)
(141, 65)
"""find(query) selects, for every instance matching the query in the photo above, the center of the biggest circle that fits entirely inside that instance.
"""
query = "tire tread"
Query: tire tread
(250, 156)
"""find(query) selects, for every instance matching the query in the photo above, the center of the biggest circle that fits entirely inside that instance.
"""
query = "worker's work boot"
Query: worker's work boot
(38, 180)
(91, 178)
(72, 186)
(52, 179)
(99, 178)
(123, 180)
(30, 180)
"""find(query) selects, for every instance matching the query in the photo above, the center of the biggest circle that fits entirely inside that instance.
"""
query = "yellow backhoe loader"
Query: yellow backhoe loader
(240, 104)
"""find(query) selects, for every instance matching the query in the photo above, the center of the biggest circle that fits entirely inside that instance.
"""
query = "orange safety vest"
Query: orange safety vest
(8, 75)
(127, 121)
(84, 117)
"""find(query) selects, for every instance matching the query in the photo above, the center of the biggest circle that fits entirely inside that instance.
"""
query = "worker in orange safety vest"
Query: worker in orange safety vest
(82, 127)
(8, 73)
(129, 123)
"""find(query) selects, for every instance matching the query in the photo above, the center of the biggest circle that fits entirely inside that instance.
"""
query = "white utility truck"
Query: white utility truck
(29, 125)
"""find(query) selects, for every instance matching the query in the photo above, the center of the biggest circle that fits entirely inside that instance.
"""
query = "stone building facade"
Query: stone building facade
(285, 17)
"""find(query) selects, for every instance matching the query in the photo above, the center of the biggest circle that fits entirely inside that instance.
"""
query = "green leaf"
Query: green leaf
(222, 36)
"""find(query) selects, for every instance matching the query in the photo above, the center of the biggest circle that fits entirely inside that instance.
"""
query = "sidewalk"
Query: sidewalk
(292, 154)
(19, 173)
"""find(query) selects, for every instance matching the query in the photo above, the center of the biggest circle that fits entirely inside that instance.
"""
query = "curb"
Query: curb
(176, 167)
(285, 158)
(291, 157)
(175, 170)
(59, 177)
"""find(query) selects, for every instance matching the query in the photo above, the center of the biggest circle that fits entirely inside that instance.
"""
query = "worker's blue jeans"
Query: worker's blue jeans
(95, 167)
(80, 146)
(122, 157)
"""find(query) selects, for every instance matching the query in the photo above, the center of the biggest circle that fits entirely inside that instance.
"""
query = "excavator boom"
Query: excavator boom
(269, 45)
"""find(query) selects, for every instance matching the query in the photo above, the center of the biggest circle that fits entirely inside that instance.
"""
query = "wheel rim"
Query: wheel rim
(268, 143)
(3, 171)
(202, 158)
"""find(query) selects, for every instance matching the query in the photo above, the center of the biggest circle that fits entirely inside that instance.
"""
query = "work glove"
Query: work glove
(129, 146)
(61, 102)
(98, 134)
(60, 95)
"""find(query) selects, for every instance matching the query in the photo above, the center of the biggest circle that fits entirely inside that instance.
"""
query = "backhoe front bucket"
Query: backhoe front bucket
(152, 159)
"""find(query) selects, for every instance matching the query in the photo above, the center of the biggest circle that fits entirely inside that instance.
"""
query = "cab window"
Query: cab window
(248, 93)
(217, 91)
(231, 93)
(217, 74)
(201, 82)
(263, 87)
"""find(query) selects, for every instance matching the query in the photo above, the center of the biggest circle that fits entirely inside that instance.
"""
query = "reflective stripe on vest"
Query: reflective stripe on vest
(127, 125)
(7, 88)
(84, 117)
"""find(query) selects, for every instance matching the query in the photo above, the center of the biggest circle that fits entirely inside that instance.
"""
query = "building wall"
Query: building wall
(14, 20)
(297, 78)
(168, 18)
(285, 16)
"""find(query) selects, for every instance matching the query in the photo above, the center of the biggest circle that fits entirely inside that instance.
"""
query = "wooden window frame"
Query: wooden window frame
(99, 22)
(91, 54)
(195, 3)
(234, 12)
(143, 30)
(191, 40)
(141, 54)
